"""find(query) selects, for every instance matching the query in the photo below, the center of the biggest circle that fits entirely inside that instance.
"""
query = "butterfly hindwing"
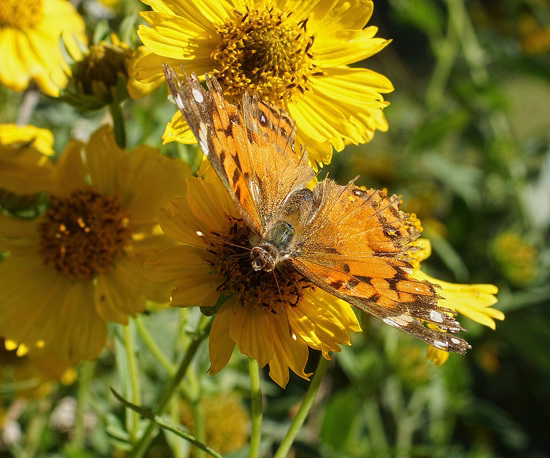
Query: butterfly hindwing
(362, 259)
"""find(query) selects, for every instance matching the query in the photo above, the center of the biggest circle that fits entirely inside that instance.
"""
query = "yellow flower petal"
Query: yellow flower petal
(199, 289)
(250, 329)
(81, 332)
(316, 326)
(289, 353)
(147, 168)
(103, 160)
(473, 301)
(175, 263)
(70, 172)
(220, 344)
(339, 15)
(360, 45)
(117, 292)
(178, 130)
(39, 139)
(437, 356)
(26, 308)
(178, 222)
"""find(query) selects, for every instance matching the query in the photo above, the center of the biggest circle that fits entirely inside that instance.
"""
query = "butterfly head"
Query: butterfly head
(263, 258)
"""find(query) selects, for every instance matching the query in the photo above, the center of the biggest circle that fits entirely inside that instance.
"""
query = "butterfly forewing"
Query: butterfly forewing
(251, 148)
(218, 127)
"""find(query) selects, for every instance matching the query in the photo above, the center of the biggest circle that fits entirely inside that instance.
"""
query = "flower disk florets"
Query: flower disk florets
(265, 51)
(82, 233)
(20, 13)
(229, 256)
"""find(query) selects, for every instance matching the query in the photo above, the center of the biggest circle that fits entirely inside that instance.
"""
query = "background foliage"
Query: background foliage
(469, 150)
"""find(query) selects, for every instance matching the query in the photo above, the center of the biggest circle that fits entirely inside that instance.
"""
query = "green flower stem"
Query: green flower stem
(159, 355)
(446, 51)
(85, 374)
(118, 124)
(301, 415)
(38, 423)
(141, 447)
(153, 347)
(256, 399)
(135, 395)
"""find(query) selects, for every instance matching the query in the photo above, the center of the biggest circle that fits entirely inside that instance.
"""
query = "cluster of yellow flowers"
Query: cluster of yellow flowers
(76, 230)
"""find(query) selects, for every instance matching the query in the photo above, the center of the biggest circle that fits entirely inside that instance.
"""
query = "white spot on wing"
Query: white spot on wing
(436, 316)
(199, 233)
(390, 322)
(399, 321)
(197, 95)
(440, 344)
(203, 136)
(179, 101)
(455, 340)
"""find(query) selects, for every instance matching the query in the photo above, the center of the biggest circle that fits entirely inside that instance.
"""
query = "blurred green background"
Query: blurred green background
(469, 150)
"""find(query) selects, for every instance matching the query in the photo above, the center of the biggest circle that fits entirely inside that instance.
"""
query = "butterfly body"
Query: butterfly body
(350, 242)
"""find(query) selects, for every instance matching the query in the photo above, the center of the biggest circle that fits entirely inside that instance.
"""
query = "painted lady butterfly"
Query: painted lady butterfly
(350, 242)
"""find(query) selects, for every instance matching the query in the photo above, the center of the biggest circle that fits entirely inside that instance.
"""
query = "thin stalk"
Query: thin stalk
(118, 124)
(153, 347)
(28, 105)
(135, 396)
(159, 355)
(303, 410)
(256, 401)
(446, 51)
(78, 436)
(141, 447)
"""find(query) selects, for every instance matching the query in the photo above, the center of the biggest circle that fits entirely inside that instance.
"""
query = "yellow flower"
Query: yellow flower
(294, 53)
(30, 373)
(226, 421)
(516, 258)
(30, 31)
(472, 301)
(272, 317)
(24, 166)
(75, 267)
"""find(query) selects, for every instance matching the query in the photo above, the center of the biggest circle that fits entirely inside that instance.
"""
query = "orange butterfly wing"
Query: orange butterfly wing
(250, 147)
(356, 249)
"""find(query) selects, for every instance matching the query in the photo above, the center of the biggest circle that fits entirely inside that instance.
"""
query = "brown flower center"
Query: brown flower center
(20, 13)
(266, 51)
(229, 255)
(83, 233)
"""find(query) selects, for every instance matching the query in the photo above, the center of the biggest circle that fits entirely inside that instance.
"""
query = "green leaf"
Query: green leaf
(116, 432)
(432, 132)
(166, 424)
(101, 31)
(340, 420)
(424, 14)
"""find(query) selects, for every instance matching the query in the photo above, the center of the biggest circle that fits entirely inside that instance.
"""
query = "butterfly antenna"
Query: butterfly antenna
(225, 242)
(278, 287)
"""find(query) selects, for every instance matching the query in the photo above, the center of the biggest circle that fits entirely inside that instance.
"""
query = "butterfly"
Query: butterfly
(348, 241)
